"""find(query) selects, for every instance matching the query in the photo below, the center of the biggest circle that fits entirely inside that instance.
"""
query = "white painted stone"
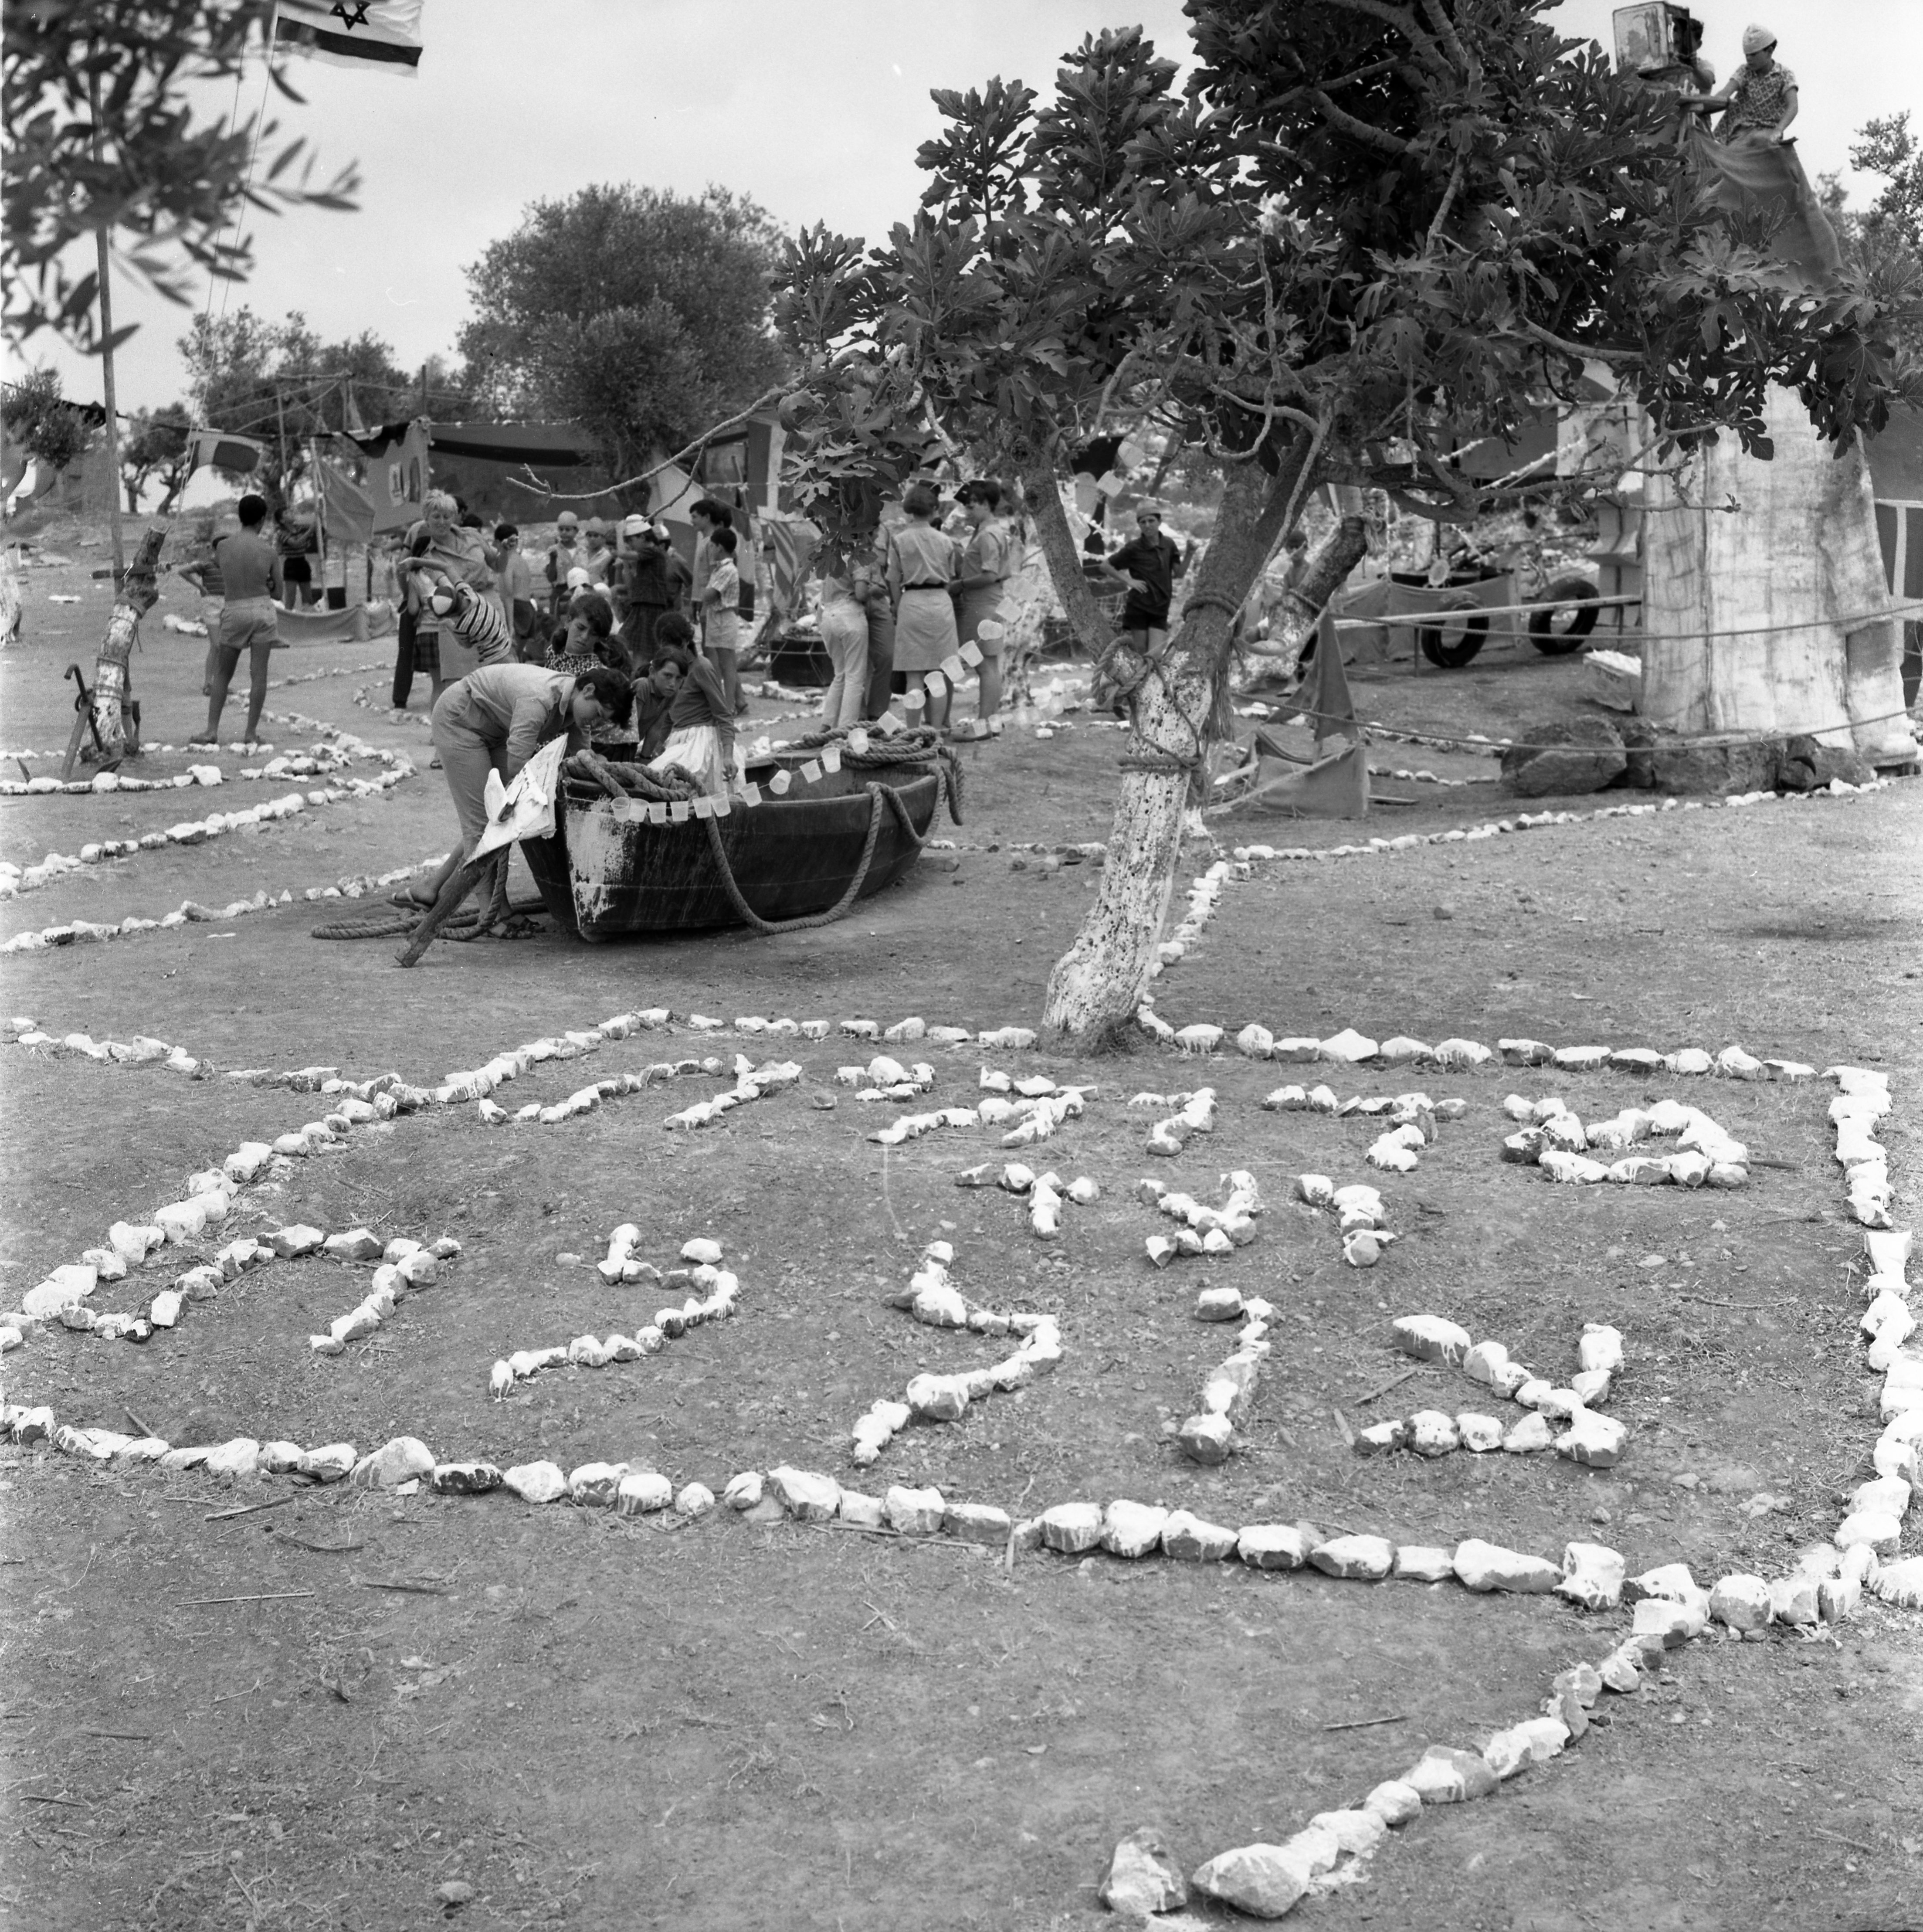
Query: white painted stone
(633, 1493)
(1900, 1584)
(1131, 1529)
(1878, 1529)
(1361, 1559)
(1793, 1600)
(744, 1491)
(1601, 1347)
(1740, 1602)
(1419, 1563)
(1142, 1879)
(1534, 1742)
(536, 1482)
(977, 1522)
(356, 1245)
(1188, 1539)
(1592, 1576)
(1445, 1776)
(1433, 1432)
(1530, 1436)
(1072, 1527)
(1485, 1362)
(1430, 1338)
(1394, 1802)
(806, 1495)
(914, 1512)
(1207, 1439)
(1478, 1433)
(1272, 1545)
(1482, 1566)
(1264, 1881)
(401, 1460)
(1597, 1441)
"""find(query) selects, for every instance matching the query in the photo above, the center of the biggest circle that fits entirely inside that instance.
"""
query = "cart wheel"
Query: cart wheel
(1452, 643)
(1557, 633)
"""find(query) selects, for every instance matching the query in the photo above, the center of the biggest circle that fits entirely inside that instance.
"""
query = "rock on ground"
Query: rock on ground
(1142, 1878)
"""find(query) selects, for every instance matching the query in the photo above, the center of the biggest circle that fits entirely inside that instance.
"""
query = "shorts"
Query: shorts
(248, 623)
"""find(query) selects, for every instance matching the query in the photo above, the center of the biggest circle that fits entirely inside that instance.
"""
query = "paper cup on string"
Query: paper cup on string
(704, 806)
(857, 742)
(971, 651)
(952, 668)
(811, 772)
(936, 684)
(780, 782)
(913, 701)
(751, 794)
(678, 811)
(831, 759)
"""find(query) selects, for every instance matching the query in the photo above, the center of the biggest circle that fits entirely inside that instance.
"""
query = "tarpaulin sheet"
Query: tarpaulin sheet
(1766, 178)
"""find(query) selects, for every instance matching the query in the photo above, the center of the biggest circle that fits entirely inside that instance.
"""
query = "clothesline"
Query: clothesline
(1496, 747)
(1428, 619)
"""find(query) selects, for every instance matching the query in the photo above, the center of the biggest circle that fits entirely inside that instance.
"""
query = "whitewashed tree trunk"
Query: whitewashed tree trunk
(1734, 543)
(1097, 985)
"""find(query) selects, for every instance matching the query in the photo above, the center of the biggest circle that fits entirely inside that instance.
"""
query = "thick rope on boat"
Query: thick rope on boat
(595, 776)
(919, 744)
(881, 797)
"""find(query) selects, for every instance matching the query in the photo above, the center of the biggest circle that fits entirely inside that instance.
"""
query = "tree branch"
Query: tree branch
(1575, 348)
(1359, 130)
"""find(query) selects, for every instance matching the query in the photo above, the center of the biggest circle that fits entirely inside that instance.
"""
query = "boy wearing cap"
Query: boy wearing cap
(1154, 561)
(595, 558)
(563, 555)
(1760, 96)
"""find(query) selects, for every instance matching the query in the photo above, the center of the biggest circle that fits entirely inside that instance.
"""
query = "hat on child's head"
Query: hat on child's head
(633, 527)
(567, 520)
(579, 579)
(1755, 39)
(594, 527)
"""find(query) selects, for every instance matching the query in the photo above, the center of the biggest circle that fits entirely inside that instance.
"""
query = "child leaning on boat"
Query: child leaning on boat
(700, 717)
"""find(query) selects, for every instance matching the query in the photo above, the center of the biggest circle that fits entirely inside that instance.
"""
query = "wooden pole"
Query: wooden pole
(106, 363)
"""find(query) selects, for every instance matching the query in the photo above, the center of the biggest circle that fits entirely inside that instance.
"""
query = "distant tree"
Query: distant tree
(280, 382)
(641, 315)
(158, 443)
(166, 185)
(1887, 148)
(42, 421)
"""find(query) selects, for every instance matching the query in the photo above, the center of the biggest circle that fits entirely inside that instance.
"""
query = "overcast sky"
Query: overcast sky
(816, 113)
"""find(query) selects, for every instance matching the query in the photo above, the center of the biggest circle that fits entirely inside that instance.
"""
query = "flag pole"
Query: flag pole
(107, 362)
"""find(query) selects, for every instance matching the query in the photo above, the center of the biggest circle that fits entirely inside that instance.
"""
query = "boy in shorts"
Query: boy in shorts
(250, 575)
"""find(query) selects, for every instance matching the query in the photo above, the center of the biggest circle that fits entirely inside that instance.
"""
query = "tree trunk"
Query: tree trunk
(1098, 984)
(1064, 558)
(1295, 619)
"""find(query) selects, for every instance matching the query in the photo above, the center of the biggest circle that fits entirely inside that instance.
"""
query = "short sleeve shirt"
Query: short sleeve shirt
(1758, 100)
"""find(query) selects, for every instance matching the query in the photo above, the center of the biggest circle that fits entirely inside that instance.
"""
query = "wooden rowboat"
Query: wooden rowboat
(607, 872)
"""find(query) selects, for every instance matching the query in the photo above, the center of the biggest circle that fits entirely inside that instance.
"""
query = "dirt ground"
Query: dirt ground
(611, 1722)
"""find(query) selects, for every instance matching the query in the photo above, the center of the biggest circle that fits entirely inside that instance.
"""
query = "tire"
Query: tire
(1580, 622)
(1452, 645)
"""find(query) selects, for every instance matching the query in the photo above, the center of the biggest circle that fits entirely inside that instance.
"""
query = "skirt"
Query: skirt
(924, 631)
(695, 748)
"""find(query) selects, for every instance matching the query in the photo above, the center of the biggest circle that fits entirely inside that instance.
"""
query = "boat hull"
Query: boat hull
(607, 872)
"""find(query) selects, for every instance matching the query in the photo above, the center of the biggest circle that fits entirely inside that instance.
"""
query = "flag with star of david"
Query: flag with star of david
(383, 34)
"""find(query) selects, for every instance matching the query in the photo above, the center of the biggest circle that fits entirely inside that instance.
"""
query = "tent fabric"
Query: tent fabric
(347, 510)
(1766, 178)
